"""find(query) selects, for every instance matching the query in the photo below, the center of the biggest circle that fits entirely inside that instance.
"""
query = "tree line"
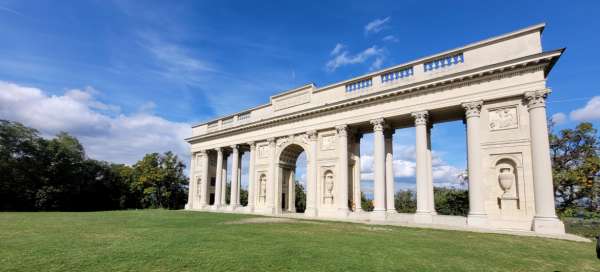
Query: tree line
(55, 174)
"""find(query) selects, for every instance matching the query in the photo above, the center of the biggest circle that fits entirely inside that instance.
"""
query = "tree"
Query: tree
(575, 161)
(405, 201)
(366, 204)
(451, 201)
(300, 197)
(159, 182)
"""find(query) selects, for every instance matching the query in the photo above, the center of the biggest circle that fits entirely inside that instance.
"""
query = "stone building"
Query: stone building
(496, 86)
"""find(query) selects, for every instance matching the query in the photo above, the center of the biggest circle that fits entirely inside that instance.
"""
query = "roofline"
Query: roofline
(537, 27)
(552, 54)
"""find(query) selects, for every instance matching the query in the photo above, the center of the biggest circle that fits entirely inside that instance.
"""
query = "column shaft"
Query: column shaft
(389, 171)
(422, 174)
(311, 180)
(430, 173)
(251, 178)
(192, 185)
(356, 179)
(271, 182)
(379, 168)
(234, 200)
(342, 199)
(545, 220)
(204, 182)
(218, 178)
(477, 215)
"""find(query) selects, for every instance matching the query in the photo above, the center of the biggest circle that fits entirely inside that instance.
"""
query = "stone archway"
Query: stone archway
(286, 181)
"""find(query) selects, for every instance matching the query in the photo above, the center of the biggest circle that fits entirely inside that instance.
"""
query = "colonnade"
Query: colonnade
(348, 150)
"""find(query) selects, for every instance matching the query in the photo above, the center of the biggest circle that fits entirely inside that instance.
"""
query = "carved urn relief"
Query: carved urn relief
(506, 178)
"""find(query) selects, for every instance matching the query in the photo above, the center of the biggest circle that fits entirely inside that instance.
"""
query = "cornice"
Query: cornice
(542, 60)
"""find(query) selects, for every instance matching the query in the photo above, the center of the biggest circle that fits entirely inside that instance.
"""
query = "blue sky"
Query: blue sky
(130, 77)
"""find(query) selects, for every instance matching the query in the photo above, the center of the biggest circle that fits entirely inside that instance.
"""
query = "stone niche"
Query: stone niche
(328, 187)
(507, 175)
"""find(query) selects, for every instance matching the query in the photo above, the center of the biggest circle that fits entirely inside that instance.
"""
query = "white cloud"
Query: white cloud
(559, 118)
(390, 38)
(404, 166)
(337, 49)
(376, 25)
(591, 111)
(343, 57)
(377, 63)
(121, 138)
(175, 62)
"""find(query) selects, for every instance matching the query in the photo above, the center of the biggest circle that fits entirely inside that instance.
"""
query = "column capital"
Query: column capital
(252, 144)
(312, 135)
(378, 124)
(535, 99)
(271, 140)
(218, 149)
(202, 152)
(234, 148)
(473, 108)
(421, 117)
(342, 130)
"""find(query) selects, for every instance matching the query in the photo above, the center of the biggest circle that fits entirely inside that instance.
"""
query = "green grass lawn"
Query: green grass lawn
(158, 240)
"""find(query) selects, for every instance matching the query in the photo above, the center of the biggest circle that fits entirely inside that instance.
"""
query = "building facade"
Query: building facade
(496, 86)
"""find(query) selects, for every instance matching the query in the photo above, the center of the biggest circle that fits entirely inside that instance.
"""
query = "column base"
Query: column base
(392, 211)
(378, 215)
(250, 208)
(423, 218)
(477, 220)
(187, 207)
(310, 212)
(548, 225)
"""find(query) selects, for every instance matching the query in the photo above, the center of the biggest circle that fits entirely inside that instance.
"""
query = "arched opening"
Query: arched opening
(291, 186)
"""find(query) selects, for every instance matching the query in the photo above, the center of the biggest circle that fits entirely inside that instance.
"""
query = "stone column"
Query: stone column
(423, 214)
(235, 182)
(477, 215)
(378, 169)
(251, 181)
(204, 182)
(311, 180)
(545, 220)
(224, 182)
(192, 185)
(356, 190)
(389, 171)
(271, 182)
(342, 194)
(219, 177)
(291, 191)
(430, 172)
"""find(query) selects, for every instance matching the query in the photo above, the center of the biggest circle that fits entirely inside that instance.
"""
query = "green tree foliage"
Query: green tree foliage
(300, 197)
(405, 201)
(575, 163)
(366, 204)
(451, 201)
(55, 174)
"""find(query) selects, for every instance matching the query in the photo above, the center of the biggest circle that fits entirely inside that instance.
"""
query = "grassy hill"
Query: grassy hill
(159, 240)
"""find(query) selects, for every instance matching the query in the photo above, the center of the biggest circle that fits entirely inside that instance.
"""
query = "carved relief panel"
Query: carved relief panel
(503, 118)
(328, 142)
